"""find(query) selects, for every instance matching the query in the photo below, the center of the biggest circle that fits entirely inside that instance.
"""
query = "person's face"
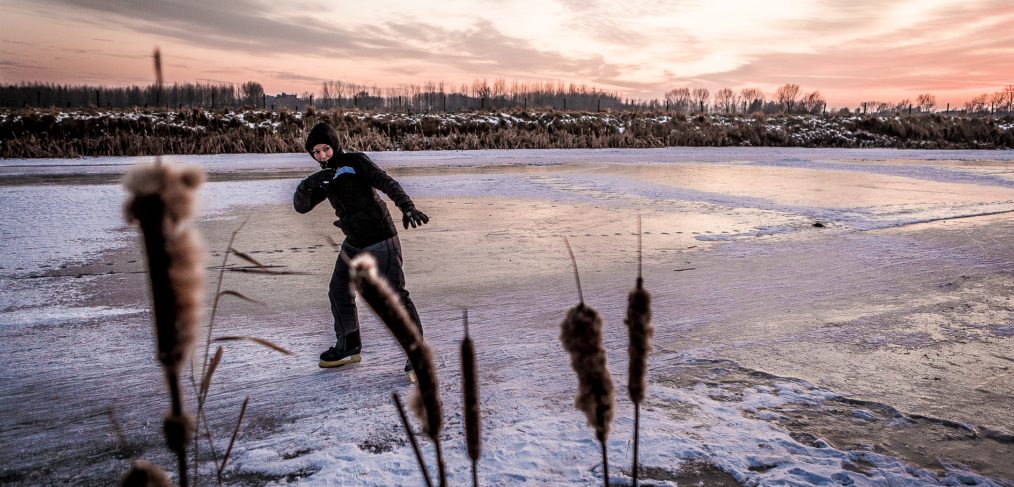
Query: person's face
(322, 153)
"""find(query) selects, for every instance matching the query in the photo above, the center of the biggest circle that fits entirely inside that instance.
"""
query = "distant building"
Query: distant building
(288, 100)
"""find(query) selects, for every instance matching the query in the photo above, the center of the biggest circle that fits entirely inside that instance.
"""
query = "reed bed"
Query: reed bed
(36, 132)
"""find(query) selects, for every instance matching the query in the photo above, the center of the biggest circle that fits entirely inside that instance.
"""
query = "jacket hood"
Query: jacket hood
(322, 133)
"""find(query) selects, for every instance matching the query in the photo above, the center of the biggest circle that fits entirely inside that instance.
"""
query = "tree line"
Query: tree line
(481, 94)
(175, 95)
(1001, 101)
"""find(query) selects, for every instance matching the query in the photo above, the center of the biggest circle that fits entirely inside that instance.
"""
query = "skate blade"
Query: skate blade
(411, 376)
(351, 359)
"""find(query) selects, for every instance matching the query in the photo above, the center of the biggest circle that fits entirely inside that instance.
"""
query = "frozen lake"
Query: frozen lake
(787, 353)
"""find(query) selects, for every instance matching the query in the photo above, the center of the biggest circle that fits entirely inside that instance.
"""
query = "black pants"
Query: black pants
(343, 299)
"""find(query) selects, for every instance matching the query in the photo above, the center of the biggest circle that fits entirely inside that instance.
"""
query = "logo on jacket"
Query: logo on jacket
(344, 170)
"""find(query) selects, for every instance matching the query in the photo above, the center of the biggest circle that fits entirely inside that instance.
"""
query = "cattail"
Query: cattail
(378, 294)
(470, 391)
(639, 327)
(161, 202)
(581, 335)
(143, 473)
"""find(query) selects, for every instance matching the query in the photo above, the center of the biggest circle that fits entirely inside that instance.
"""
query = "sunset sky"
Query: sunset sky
(851, 51)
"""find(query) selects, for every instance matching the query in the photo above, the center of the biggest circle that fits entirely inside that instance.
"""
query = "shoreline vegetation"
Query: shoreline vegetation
(91, 132)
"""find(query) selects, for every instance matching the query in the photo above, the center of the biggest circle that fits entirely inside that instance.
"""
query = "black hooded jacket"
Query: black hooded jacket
(362, 215)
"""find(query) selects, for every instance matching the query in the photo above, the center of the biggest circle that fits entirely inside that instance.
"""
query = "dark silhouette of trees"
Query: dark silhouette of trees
(813, 103)
(678, 99)
(66, 96)
(726, 100)
(252, 93)
(700, 98)
(753, 99)
(786, 96)
(480, 94)
(926, 102)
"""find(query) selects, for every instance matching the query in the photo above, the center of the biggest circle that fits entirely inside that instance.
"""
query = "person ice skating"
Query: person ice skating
(349, 180)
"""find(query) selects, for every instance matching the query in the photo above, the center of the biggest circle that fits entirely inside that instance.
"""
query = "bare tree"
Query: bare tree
(327, 95)
(786, 96)
(700, 97)
(498, 91)
(926, 102)
(251, 92)
(977, 104)
(678, 99)
(813, 102)
(1004, 99)
(753, 99)
(726, 100)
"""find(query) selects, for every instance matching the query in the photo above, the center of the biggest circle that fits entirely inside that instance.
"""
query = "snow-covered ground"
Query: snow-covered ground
(875, 350)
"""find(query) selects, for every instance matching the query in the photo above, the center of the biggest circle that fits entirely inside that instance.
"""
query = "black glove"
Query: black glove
(414, 217)
(319, 179)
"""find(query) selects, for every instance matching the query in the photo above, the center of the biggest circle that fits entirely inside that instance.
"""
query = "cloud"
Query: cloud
(485, 48)
(252, 27)
(17, 65)
(822, 44)
(607, 30)
(952, 49)
(241, 25)
(287, 76)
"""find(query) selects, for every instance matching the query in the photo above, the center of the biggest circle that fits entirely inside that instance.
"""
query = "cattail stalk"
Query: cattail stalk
(158, 87)
(470, 391)
(161, 203)
(386, 304)
(411, 439)
(581, 336)
(639, 327)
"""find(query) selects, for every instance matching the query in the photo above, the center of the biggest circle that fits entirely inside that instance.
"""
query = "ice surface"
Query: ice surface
(737, 269)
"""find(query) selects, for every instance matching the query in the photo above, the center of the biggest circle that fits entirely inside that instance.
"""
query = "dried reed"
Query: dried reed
(161, 202)
(470, 392)
(208, 368)
(232, 441)
(638, 322)
(117, 429)
(259, 341)
(143, 473)
(386, 304)
(581, 336)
